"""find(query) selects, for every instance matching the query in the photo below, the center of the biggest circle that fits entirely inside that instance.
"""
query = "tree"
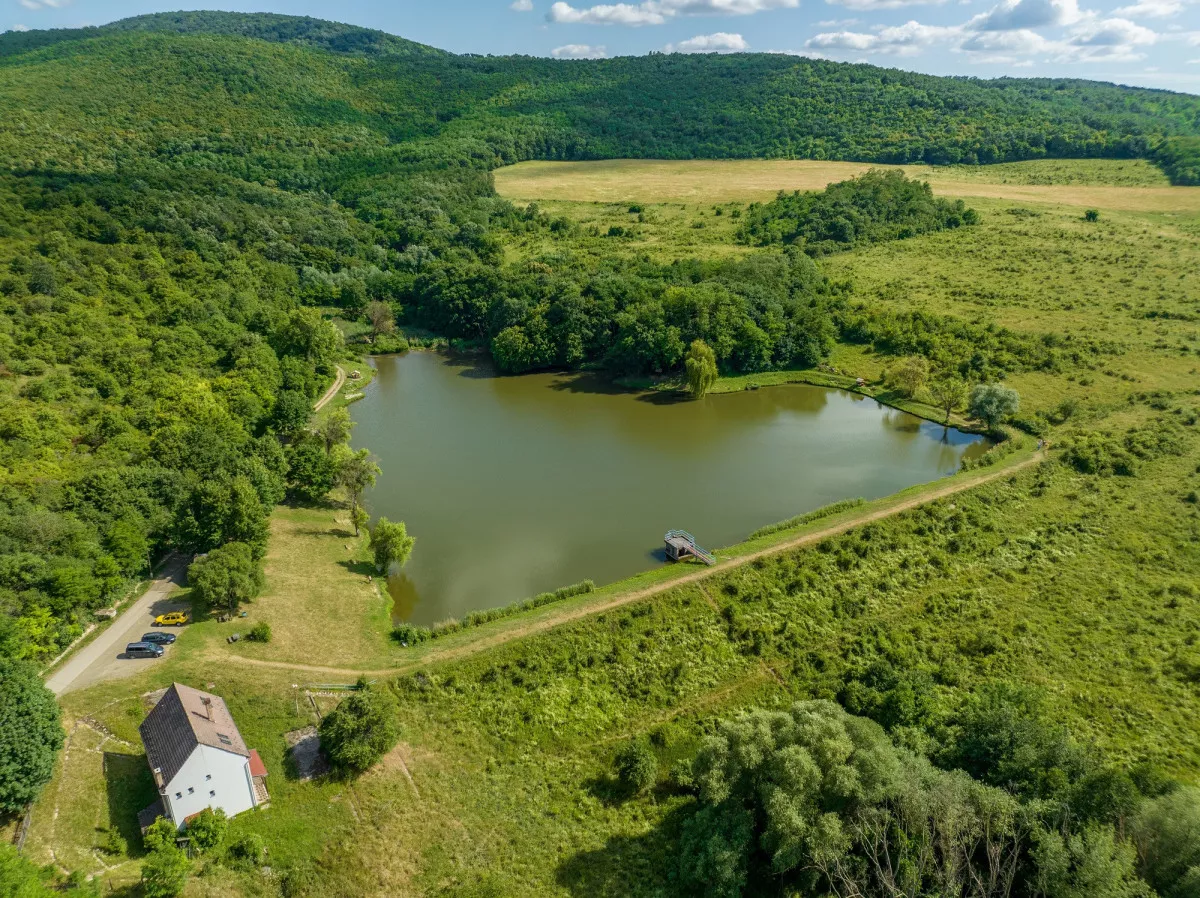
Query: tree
(293, 410)
(164, 872)
(227, 576)
(162, 833)
(910, 375)
(356, 472)
(359, 518)
(381, 317)
(701, 364)
(1166, 831)
(992, 403)
(948, 393)
(360, 730)
(1091, 863)
(334, 429)
(207, 829)
(390, 544)
(311, 472)
(637, 766)
(30, 734)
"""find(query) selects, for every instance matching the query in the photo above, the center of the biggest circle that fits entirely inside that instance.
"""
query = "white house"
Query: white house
(198, 758)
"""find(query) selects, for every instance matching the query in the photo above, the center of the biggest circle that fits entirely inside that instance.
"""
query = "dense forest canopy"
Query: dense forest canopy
(185, 197)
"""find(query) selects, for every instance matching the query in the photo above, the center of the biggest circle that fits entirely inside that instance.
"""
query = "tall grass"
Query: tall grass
(815, 515)
(408, 634)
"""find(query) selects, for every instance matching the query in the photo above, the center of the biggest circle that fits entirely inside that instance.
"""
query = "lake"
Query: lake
(518, 485)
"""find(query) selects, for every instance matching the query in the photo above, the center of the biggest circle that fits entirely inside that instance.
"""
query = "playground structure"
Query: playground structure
(681, 545)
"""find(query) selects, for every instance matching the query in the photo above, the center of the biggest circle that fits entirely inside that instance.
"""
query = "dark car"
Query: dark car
(158, 638)
(143, 650)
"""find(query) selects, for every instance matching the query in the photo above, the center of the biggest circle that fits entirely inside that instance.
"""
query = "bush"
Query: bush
(115, 843)
(260, 632)
(164, 872)
(360, 730)
(159, 834)
(249, 850)
(207, 829)
(815, 515)
(637, 766)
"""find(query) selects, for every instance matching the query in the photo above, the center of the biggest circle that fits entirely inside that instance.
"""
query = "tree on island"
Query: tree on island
(992, 403)
(948, 393)
(701, 365)
(30, 734)
(390, 544)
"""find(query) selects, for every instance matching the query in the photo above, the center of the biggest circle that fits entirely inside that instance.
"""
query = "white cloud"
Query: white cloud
(721, 42)
(870, 5)
(838, 23)
(1014, 15)
(1108, 40)
(908, 39)
(521, 6)
(1152, 9)
(19, 28)
(579, 51)
(1005, 47)
(655, 12)
(607, 14)
(44, 4)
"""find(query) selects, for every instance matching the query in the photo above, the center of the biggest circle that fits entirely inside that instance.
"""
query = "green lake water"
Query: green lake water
(518, 485)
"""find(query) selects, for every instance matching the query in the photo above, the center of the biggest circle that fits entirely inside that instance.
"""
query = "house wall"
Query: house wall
(209, 770)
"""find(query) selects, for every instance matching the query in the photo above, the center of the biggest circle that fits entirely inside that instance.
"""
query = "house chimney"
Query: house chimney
(207, 706)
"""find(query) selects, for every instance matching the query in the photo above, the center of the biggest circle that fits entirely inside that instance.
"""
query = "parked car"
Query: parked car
(171, 619)
(158, 638)
(143, 650)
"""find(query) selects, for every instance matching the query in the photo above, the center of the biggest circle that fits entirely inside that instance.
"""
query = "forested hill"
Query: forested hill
(663, 106)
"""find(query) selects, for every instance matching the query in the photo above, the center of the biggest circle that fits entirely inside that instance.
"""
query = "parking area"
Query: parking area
(104, 657)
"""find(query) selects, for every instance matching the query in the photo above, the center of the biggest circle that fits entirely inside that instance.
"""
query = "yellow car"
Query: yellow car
(171, 619)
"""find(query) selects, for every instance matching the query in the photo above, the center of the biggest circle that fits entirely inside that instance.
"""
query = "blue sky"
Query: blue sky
(1155, 43)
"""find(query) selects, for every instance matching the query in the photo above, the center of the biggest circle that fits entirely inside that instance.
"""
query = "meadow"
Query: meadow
(1080, 585)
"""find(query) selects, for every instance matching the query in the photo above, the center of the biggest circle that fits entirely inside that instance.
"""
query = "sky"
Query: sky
(1153, 43)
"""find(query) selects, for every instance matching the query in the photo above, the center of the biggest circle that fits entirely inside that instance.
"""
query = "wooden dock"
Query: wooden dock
(681, 545)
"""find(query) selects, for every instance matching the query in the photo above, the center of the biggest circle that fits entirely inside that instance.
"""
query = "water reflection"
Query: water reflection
(517, 485)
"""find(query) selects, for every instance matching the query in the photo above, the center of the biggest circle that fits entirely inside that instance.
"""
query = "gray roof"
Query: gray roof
(183, 719)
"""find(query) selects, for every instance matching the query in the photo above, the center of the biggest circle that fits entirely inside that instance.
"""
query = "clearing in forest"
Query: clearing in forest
(1119, 185)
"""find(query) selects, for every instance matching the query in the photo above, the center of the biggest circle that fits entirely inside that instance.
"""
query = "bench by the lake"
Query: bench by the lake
(681, 545)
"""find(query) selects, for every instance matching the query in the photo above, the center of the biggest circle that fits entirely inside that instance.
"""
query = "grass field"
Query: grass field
(1081, 585)
(1132, 185)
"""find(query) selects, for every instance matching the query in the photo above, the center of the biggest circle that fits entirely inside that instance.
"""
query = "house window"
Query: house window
(179, 795)
(212, 793)
(191, 790)
(207, 776)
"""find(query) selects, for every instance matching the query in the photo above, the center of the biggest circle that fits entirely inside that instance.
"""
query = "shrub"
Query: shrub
(360, 730)
(207, 829)
(1091, 215)
(260, 632)
(115, 843)
(164, 872)
(159, 834)
(815, 515)
(248, 849)
(637, 766)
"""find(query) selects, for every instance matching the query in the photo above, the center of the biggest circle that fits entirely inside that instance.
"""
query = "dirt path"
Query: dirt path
(332, 391)
(574, 612)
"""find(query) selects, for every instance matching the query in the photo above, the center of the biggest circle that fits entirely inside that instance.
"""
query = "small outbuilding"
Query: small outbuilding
(198, 758)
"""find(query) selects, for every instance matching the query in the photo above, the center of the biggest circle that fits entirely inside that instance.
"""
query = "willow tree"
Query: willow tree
(701, 365)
